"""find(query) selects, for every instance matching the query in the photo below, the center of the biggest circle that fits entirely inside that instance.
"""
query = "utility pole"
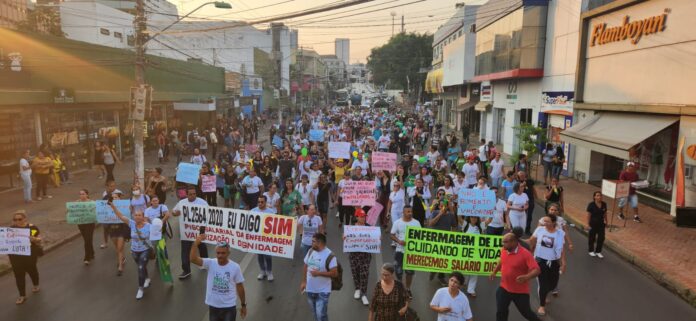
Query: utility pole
(301, 62)
(403, 29)
(138, 130)
(393, 14)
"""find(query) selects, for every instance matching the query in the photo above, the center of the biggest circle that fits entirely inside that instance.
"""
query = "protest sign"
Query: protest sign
(208, 183)
(445, 251)
(277, 141)
(15, 241)
(339, 150)
(106, 215)
(383, 161)
(359, 193)
(373, 214)
(188, 173)
(247, 231)
(476, 202)
(81, 212)
(316, 135)
(362, 239)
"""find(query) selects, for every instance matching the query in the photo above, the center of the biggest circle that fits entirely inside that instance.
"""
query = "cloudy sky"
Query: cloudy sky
(367, 25)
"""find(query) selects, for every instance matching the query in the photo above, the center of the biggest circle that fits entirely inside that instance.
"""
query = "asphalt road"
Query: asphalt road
(592, 289)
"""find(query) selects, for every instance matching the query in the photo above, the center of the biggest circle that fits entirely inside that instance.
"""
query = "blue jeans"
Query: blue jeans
(305, 249)
(319, 304)
(265, 263)
(222, 314)
(556, 171)
(26, 178)
(141, 259)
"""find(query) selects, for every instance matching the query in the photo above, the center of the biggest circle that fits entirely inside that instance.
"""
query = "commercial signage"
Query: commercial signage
(628, 30)
(557, 102)
(486, 91)
(63, 96)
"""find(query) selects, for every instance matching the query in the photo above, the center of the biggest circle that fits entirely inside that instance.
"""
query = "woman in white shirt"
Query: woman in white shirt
(517, 205)
(273, 197)
(450, 303)
(547, 245)
(497, 166)
(497, 224)
(306, 191)
(473, 225)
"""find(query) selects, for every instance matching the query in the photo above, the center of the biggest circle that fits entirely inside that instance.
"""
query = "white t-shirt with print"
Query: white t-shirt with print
(459, 305)
(316, 261)
(271, 201)
(399, 229)
(310, 226)
(497, 168)
(306, 192)
(252, 184)
(221, 283)
(549, 246)
(471, 172)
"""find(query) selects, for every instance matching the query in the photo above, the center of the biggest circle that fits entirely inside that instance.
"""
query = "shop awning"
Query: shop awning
(194, 106)
(482, 106)
(466, 105)
(616, 133)
(433, 82)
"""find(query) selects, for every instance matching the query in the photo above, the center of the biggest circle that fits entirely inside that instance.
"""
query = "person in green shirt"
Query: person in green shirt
(461, 160)
(291, 201)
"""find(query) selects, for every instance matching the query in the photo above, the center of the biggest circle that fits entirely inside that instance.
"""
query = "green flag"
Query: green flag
(163, 262)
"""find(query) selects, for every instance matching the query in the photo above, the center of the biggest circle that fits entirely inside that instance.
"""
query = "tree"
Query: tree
(42, 20)
(399, 61)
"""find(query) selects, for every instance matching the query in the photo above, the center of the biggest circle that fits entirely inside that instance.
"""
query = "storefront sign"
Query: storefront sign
(63, 96)
(445, 251)
(615, 189)
(633, 30)
(486, 91)
(512, 92)
(557, 102)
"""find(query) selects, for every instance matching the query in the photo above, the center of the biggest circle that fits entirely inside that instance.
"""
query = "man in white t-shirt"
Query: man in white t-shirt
(497, 170)
(190, 200)
(265, 261)
(362, 163)
(471, 172)
(316, 277)
(384, 142)
(398, 235)
(450, 303)
(483, 156)
(25, 173)
(224, 283)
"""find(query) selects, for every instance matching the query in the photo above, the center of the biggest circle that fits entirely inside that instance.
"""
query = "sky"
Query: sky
(367, 25)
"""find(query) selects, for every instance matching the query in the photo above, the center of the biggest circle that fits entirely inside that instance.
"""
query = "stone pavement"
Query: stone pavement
(657, 246)
(49, 214)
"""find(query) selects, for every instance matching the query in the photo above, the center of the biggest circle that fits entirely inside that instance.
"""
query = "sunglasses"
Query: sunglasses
(17, 219)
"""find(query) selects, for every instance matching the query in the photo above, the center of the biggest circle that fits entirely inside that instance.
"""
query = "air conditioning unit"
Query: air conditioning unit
(580, 176)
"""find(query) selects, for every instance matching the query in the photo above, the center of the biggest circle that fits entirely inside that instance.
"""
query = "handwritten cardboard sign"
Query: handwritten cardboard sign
(359, 193)
(364, 239)
(382, 161)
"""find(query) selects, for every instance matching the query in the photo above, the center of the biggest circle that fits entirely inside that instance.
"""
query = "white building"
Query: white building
(342, 50)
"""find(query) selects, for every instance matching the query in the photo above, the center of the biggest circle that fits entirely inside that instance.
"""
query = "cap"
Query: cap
(630, 164)
(360, 213)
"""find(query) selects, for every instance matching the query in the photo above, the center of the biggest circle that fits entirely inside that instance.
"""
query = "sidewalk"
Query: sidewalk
(657, 246)
(49, 214)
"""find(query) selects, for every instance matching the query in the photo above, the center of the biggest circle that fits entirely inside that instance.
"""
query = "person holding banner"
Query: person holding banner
(190, 199)
(272, 197)
(87, 231)
(26, 264)
(345, 212)
(449, 303)
(141, 249)
(265, 262)
(444, 219)
(360, 263)
(207, 174)
(473, 225)
(547, 245)
(398, 235)
(496, 225)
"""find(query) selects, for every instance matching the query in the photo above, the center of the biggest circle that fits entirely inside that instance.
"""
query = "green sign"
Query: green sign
(81, 212)
(445, 251)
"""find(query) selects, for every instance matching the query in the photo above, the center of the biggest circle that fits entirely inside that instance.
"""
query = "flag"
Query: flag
(163, 262)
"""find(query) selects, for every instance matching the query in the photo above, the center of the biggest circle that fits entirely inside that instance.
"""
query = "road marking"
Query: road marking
(246, 260)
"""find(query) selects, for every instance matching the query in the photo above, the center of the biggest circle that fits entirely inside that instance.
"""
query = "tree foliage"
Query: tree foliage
(402, 56)
(42, 20)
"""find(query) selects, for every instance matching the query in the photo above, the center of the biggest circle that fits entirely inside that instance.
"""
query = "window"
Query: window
(460, 33)
(118, 35)
(525, 116)
(130, 40)
(104, 31)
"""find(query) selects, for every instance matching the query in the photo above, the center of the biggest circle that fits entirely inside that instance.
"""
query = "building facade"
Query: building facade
(633, 98)
(342, 50)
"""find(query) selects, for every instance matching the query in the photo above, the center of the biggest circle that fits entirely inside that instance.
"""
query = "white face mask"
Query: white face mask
(136, 192)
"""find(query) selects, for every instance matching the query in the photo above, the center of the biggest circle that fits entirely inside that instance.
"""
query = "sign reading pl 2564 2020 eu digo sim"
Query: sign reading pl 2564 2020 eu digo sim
(247, 231)
(445, 251)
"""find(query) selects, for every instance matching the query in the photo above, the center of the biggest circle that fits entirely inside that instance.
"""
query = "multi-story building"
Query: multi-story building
(342, 49)
(310, 76)
(12, 12)
(634, 98)
(336, 71)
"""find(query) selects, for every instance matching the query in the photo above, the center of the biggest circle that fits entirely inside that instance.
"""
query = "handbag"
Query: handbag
(410, 315)
(151, 251)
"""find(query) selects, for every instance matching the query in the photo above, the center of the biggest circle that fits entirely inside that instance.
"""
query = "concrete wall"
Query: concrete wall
(560, 60)
(84, 21)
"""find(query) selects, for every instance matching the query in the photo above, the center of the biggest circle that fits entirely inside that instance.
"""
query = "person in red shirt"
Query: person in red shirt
(517, 267)
(629, 175)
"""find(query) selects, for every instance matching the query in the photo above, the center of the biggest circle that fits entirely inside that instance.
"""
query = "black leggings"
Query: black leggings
(24, 265)
(548, 278)
(521, 301)
(596, 232)
(110, 172)
(345, 213)
(42, 185)
(87, 232)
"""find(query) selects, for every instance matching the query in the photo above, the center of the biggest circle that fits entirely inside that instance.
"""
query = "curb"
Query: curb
(648, 269)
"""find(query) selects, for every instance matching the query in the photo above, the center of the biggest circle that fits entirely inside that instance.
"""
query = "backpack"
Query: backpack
(336, 282)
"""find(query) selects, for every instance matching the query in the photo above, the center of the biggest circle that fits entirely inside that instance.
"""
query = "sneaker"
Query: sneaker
(621, 216)
(637, 219)
(147, 283)
(184, 275)
(593, 254)
(261, 275)
(599, 255)
(356, 295)
(555, 292)
(39, 198)
(49, 196)
(269, 277)
(336, 214)
(365, 301)
(140, 294)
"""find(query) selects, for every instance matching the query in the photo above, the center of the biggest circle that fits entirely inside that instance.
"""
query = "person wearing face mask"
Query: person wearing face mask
(138, 201)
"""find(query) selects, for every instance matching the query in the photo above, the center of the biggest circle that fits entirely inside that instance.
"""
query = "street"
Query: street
(592, 289)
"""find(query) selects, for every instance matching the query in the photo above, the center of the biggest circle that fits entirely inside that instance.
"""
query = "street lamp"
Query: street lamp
(218, 4)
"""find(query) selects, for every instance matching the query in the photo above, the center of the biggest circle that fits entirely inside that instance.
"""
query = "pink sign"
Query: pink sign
(359, 193)
(383, 161)
(373, 214)
(208, 183)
